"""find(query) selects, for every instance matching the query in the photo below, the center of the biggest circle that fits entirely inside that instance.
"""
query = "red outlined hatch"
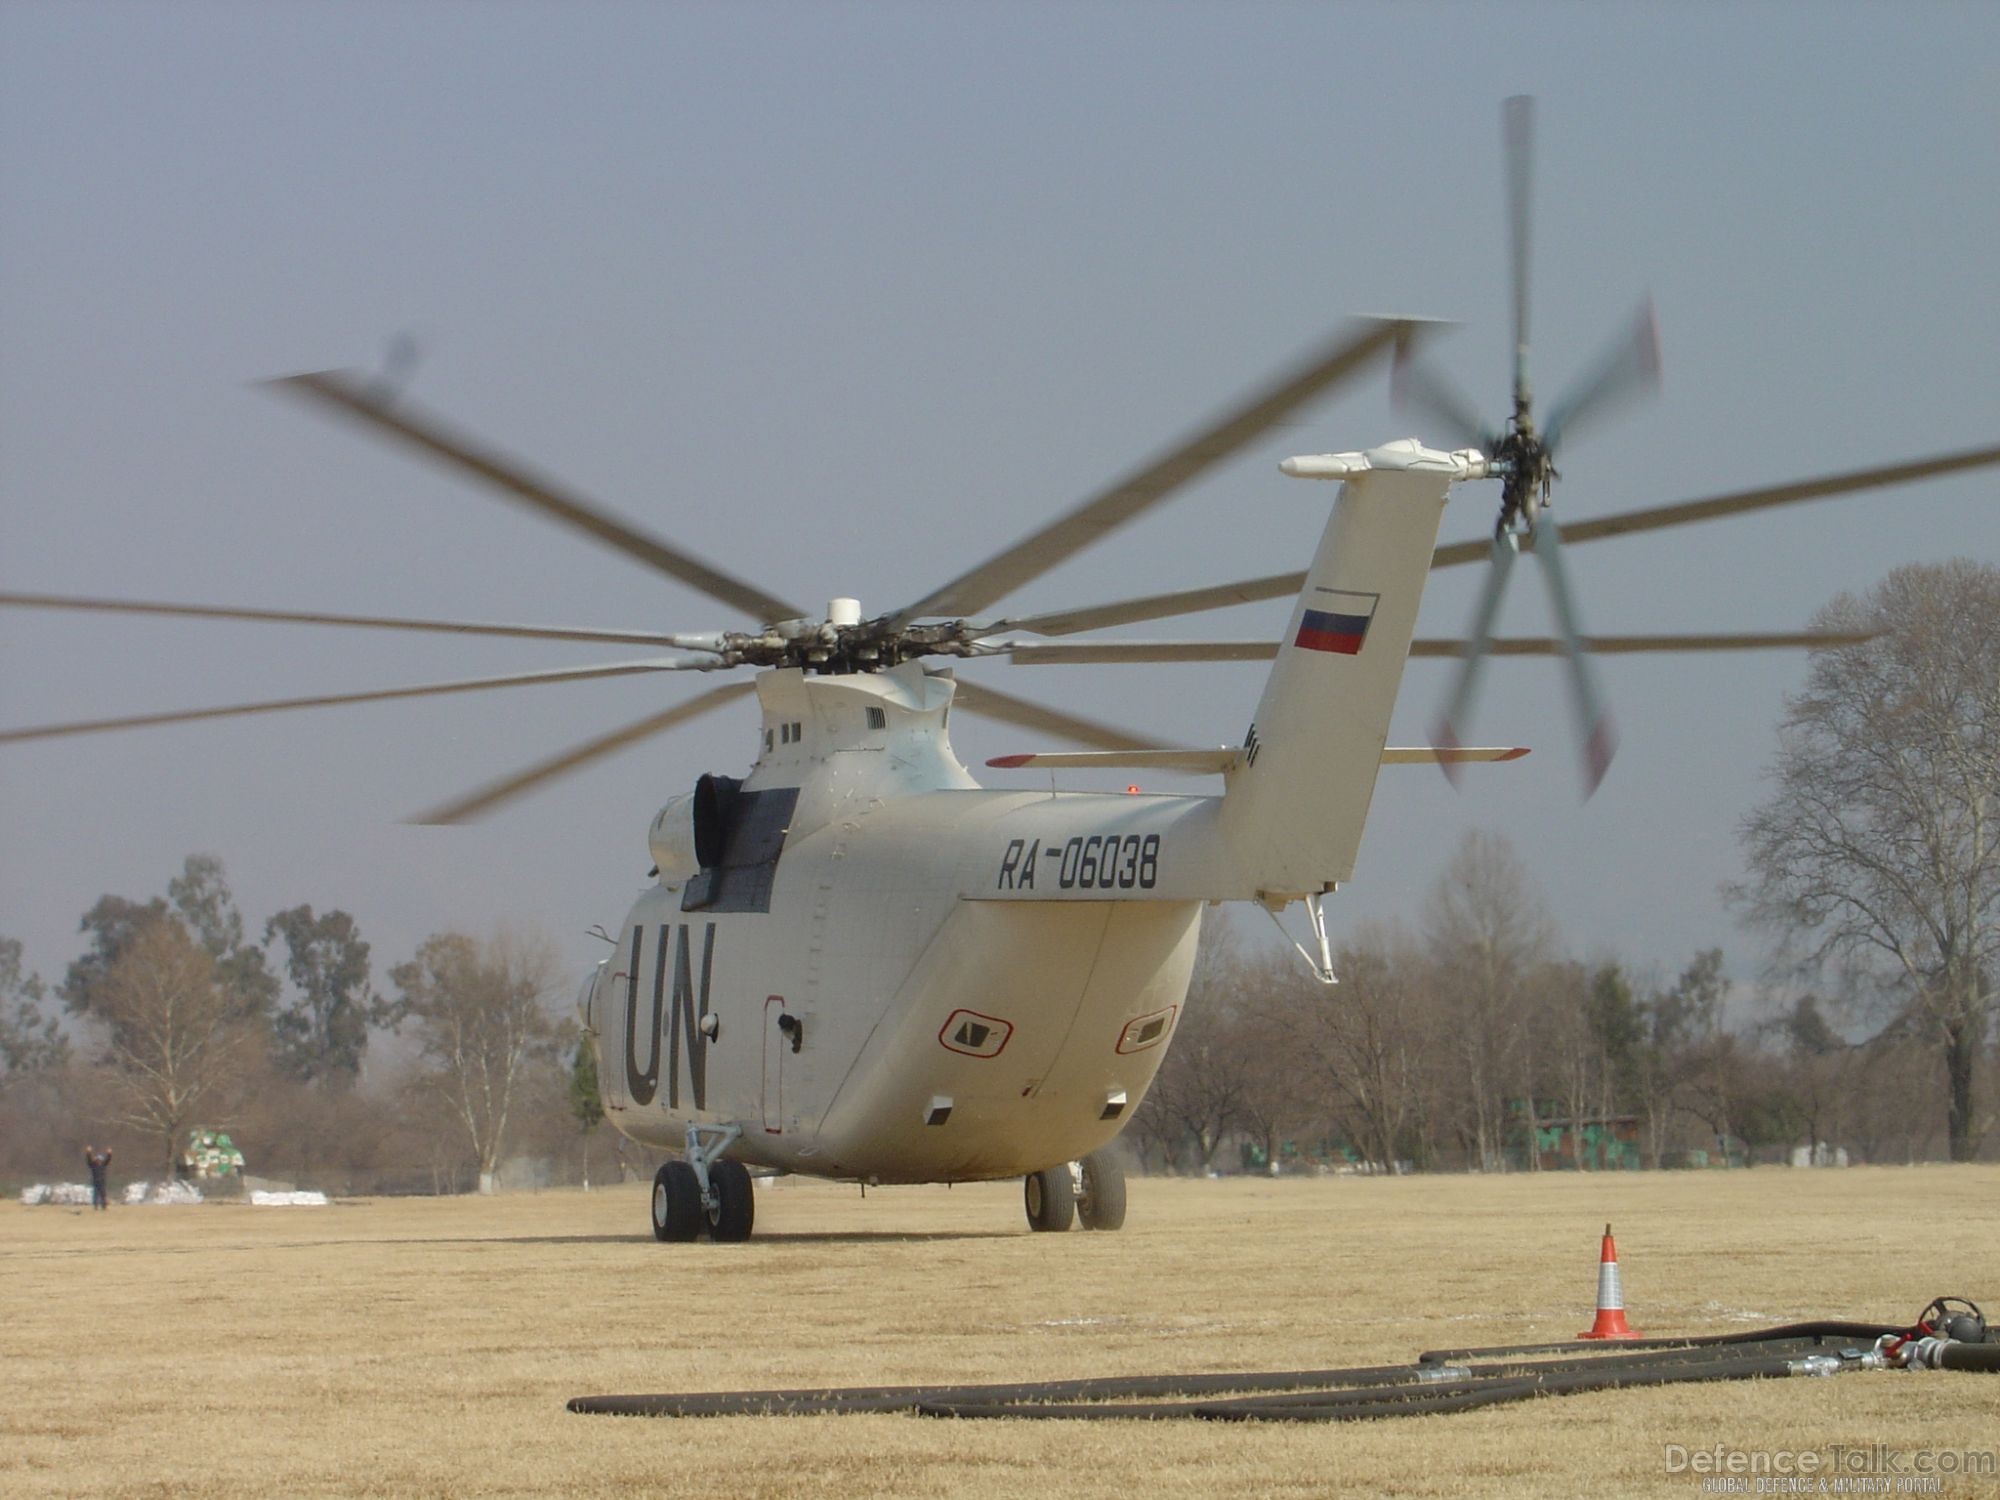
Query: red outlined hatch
(975, 1035)
(1146, 1031)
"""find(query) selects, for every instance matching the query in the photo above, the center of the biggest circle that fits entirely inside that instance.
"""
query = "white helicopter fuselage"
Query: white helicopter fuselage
(874, 1014)
(862, 965)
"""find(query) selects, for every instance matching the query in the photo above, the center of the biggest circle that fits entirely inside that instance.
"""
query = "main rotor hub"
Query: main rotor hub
(843, 642)
(1527, 471)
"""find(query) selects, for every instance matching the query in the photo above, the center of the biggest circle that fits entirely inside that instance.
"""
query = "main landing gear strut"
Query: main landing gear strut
(1091, 1190)
(704, 1191)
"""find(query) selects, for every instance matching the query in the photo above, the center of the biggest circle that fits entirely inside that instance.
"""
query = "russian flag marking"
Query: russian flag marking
(1341, 629)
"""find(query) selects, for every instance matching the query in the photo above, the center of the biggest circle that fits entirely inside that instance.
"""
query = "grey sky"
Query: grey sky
(845, 297)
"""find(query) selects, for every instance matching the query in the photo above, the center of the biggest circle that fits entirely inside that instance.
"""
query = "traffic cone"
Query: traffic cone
(1610, 1322)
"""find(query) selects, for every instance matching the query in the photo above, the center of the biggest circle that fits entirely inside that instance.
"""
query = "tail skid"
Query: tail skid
(1319, 958)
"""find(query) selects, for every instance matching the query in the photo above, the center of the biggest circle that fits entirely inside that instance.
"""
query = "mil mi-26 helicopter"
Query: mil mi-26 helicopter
(855, 962)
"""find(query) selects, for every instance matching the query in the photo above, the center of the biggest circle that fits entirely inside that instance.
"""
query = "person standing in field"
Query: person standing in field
(99, 1163)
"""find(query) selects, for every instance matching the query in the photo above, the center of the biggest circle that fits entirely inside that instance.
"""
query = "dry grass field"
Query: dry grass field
(427, 1347)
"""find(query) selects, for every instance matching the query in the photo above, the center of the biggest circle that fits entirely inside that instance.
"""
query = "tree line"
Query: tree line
(1474, 1042)
(179, 1020)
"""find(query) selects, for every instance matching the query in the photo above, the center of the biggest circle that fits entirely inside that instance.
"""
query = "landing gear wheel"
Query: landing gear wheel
(1100, 1203)
(1051, 1199)
(735, 1204)
(676, 1202)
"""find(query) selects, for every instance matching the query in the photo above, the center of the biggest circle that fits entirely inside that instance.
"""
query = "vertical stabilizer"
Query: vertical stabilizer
(1294, 809)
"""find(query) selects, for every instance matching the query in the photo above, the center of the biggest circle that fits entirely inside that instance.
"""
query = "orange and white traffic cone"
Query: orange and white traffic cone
(1610, 1322)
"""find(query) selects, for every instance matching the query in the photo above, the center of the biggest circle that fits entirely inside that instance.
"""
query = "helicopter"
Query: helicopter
(856, 962)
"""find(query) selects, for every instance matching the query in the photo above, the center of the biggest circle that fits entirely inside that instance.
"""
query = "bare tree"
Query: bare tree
(1888, 1119)
(1277, 1097)
(1199, 1094)
(1574, 1054)
(480, 1011)
(1879, 851)
(1365, 1041)
(177, 1038)
(1487, 935)
(1820, 1065)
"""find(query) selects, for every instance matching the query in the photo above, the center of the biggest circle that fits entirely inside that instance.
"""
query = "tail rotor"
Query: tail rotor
(1522, 457)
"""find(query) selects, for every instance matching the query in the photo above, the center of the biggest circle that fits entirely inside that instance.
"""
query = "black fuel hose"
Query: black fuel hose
(1406, 1400)
(1441, 1381)
(807, 1401)
(1984, 1357)
(1824, 1330)
(1363, 1391)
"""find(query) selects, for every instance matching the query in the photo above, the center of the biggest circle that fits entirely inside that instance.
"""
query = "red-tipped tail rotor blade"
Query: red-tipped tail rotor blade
(1627, 369)
(1597, 737)
(1457, 718)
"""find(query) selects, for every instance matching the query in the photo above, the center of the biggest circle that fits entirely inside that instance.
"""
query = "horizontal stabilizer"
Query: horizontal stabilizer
(1433, 755)
(1195, 762)
(1215, 762)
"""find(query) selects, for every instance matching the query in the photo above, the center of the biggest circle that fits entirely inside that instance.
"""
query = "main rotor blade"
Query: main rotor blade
(991, 703)
(1132, 496)
(370, 622)
(1686, 512)
(1082, 653)
(1739, 501)
(1157, 606)
(1085, 653)
(1517, 131)
(347, 392)
(323, 700)
(1629, 367)
(1455, 554)
(484, 799)
(1627, 645)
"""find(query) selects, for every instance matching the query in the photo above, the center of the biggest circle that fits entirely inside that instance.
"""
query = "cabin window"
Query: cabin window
(877, 719)
(767, 742)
